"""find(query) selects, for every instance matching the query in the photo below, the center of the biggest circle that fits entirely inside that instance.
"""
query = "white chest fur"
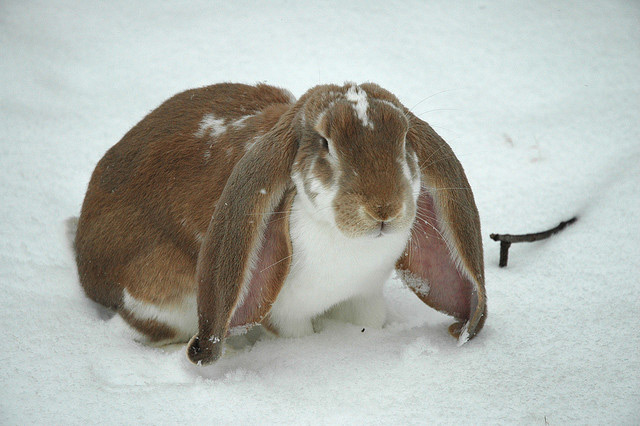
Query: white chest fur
(328, 268)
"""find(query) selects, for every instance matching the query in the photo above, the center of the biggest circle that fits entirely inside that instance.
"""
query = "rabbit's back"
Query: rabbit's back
(152, 195)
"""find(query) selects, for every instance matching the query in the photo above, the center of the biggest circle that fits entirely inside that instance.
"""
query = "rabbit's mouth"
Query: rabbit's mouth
(379, 233)
(385, 229)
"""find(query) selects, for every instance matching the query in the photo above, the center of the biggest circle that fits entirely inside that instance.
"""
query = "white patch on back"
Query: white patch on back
(359, 97)
(211, 125)
(182, 316)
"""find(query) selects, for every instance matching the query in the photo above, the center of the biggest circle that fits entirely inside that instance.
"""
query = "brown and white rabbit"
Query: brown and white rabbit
(233, 205)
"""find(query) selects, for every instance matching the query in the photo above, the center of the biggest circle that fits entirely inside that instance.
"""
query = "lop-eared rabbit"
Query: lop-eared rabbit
(233, 205)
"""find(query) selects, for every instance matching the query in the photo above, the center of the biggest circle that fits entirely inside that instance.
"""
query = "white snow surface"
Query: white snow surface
(539, 100)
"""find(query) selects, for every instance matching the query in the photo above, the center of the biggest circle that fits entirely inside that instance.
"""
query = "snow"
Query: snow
(539, 100)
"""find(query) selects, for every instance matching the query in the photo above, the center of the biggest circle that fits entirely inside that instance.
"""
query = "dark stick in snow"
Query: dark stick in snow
(507, 239)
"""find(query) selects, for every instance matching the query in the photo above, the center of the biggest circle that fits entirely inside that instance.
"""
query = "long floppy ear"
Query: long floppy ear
(443, 263)
(245, 256)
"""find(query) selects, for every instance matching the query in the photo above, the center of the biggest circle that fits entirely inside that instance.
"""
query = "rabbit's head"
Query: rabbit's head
(353, 168)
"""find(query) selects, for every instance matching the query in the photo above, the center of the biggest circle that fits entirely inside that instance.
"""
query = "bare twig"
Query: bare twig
(507, 239)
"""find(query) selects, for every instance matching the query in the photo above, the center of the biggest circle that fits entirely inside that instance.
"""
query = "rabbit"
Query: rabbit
(234, 205)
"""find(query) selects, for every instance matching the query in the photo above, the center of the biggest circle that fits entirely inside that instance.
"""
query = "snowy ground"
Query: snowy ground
(540, 100)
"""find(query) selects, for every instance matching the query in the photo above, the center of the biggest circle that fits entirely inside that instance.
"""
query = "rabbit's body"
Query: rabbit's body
(350, 290)
(233, 205)
(151, 198)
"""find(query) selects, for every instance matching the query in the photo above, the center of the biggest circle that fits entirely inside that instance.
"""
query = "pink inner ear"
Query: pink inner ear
(430, 259)
(267, 273)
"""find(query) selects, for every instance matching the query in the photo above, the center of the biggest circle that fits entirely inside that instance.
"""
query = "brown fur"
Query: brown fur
(152, 195)
(176, 207)
(370, 174)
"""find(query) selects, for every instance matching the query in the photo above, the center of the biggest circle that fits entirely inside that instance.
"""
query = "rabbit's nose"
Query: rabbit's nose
(384, 213)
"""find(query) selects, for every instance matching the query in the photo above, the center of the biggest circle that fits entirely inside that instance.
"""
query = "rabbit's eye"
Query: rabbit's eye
(325, 143)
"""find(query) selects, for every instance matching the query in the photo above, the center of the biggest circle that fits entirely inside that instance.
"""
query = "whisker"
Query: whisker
(268, 213)
(437, 109)
(295, 264)
(437, 230)
(431, 96)
(446, 157)
(424, 165)
(430, 219)
(467, 209)
(448, 198)
(422, 213)
(413, 236)
(279, 261)
(451, 187)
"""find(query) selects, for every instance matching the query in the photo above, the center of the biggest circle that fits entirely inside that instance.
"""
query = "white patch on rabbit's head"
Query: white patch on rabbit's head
(353, 168)
(359, 98)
